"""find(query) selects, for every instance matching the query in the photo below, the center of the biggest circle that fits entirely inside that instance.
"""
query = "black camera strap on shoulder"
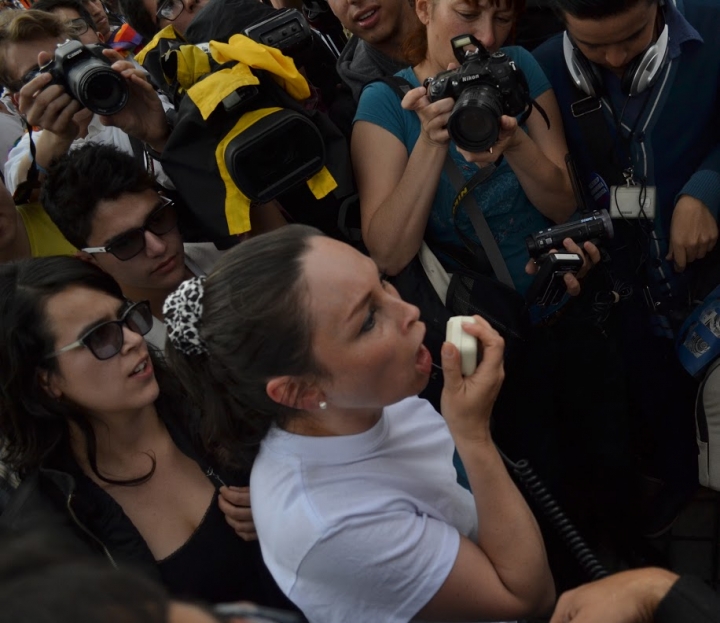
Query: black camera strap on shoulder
(23, 192)
(490, 252)
(588, 113)
(399, 85)
(466, 199)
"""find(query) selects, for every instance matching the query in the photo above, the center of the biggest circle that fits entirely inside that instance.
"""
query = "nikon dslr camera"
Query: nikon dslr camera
(484, 87)
(87, 76)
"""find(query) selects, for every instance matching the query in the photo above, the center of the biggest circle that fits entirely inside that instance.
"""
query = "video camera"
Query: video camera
(485, 87)
(596, 226)
(548, 287)
(87, 76)
(288, 31)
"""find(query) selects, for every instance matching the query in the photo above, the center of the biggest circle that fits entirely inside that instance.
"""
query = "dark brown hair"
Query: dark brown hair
(256, 327)
(81, 179)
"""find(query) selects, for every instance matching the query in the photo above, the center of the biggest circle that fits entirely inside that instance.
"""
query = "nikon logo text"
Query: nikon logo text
(469, 78)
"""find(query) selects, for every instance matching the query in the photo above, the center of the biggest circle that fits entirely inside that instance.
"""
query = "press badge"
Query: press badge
(634, 201)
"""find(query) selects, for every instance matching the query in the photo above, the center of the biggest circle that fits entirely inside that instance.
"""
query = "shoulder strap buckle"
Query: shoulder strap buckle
(585, 106)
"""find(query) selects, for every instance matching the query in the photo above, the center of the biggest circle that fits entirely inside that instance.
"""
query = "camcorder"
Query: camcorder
(288, 31)
(548, 287)
(87, 76)
(484, 87)
(593, 227)
(281, 150)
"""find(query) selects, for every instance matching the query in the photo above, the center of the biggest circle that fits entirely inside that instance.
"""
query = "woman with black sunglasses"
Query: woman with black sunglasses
(101, 435)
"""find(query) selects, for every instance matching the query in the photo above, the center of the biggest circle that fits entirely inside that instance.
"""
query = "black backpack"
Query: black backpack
(247, 130)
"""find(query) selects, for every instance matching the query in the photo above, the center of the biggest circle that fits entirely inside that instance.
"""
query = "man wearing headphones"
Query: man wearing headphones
(638, 84)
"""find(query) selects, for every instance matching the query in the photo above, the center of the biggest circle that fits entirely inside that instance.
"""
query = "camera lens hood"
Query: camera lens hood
(474, 123)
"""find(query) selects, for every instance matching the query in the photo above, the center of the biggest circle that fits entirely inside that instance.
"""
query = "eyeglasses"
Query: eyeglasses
(77, 27)
(170, 9)
(128, 245)
(106, 339)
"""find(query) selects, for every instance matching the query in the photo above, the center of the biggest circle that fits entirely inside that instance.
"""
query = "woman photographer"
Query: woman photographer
(306, 364)
(102, 437)
(399, 150)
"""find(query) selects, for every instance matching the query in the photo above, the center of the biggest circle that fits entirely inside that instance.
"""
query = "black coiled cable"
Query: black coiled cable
(537, 490)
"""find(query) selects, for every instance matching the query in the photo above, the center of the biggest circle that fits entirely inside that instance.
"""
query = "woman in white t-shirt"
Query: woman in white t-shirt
(308, 365)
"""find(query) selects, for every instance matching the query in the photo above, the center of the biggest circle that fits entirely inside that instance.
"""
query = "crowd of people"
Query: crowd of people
(190, 425)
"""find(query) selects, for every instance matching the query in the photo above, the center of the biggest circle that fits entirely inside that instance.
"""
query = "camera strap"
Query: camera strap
(490, 252)
(599, 142)
(466, 199)
(24, 191)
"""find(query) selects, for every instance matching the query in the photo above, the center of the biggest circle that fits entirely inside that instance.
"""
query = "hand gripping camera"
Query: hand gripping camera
(485, 87)
(595, 226)
(548, 287)
(87, 76)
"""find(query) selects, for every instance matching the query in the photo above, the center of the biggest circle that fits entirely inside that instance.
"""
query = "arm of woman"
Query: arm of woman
(396, 192)
(537, 158)
(505, 574)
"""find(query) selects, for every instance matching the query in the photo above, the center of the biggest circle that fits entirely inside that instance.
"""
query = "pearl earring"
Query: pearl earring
(323, 405)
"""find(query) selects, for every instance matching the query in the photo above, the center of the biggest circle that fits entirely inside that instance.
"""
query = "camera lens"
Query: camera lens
(97, 87)
(474, 124)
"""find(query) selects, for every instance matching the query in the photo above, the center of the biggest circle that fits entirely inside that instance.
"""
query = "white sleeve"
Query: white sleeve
(380, 567)
(15, 170)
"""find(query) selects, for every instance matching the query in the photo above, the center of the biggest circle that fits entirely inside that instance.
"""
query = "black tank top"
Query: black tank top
(216, 565)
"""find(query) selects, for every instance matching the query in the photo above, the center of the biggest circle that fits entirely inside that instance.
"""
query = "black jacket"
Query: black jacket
(59, 498)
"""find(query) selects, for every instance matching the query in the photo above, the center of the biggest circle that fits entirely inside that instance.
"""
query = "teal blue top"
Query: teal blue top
(507, 209)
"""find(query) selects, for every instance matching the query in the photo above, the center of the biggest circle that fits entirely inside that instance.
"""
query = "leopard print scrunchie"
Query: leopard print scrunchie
(183, 312)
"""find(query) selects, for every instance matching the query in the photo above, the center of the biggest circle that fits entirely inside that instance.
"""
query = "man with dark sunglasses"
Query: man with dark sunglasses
(109, 207)
(100, 198)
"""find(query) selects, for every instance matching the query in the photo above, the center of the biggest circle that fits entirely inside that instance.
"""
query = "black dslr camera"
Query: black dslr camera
(86, 75)
(485, 87)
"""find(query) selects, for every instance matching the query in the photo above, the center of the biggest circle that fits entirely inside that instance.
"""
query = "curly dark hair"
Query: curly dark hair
(79, 180)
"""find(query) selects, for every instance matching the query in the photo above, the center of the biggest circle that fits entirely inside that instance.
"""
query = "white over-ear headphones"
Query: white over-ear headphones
(639, 75)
